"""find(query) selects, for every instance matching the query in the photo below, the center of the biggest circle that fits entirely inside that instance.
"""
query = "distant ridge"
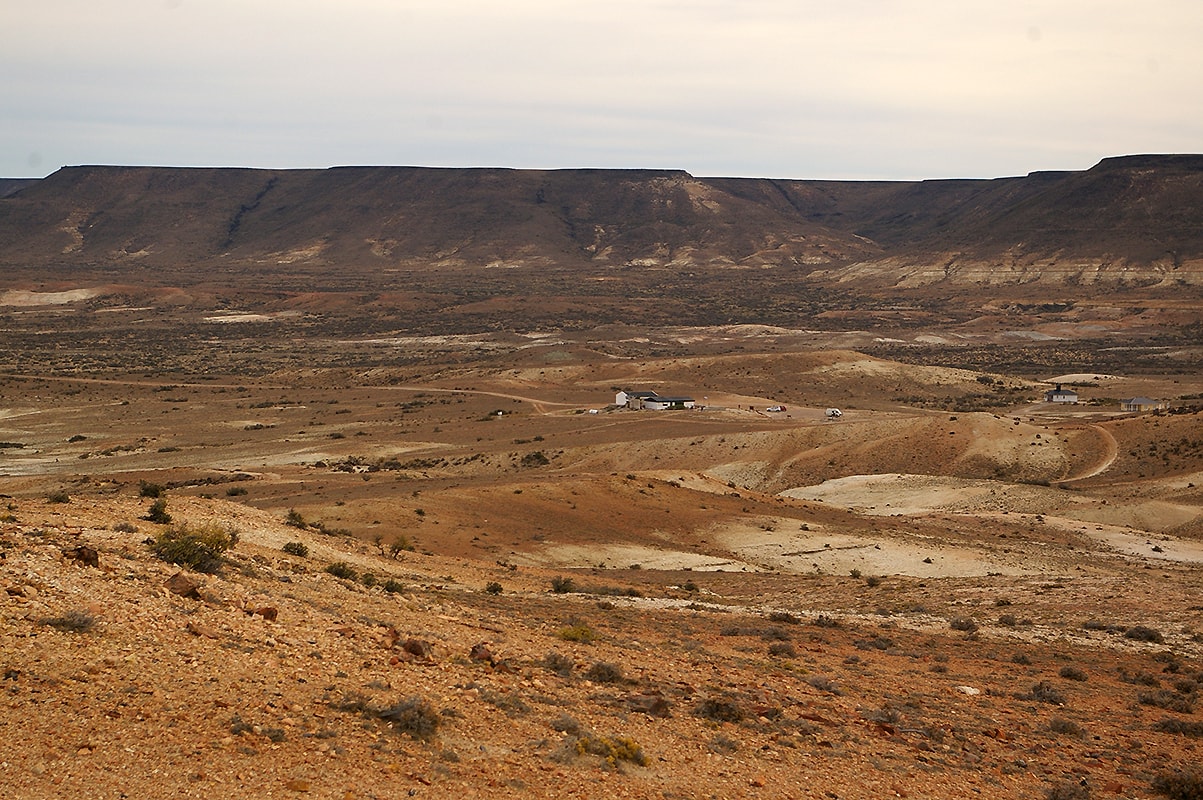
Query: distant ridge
(1129, 220)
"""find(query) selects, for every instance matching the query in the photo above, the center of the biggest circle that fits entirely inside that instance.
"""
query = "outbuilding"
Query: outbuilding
(1142, 404)
(658, 403)
(1060, 395)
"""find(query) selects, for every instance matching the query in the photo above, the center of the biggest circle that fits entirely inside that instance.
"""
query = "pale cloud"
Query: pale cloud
(866, 88)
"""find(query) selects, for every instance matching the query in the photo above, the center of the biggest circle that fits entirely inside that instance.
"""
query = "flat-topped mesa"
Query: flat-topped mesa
(1129, 220)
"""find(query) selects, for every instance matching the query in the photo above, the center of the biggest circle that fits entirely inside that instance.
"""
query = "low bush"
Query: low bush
(298, 549)
(1044, 692)
(1142, 633)
(1170, 701)
(1072, 673)
(413, 716)
(782, 650)
(341, 569)
(966, 624)
(157, 512)
(784, 617)
(577, 632)
(74, 621)
(612, 749)
(1182, 727)
(723, 708)
(562, 585)
(1065, 726)
(604, 672)
(558, 663)
(1070, 790)
(1180, 784)
(201, 548)
(493, 588)
(148, 489)
(824, 684)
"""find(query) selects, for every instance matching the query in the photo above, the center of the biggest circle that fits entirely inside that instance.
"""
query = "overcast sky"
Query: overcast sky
(849, 89)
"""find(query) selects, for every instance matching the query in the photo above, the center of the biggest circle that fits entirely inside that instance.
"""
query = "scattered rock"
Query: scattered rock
(419, 649)
(967, 690)
(654, 705)
(481, 652)
(88, 556)
(269, 613)
(297, 785)
(184, 585)
(201, 629)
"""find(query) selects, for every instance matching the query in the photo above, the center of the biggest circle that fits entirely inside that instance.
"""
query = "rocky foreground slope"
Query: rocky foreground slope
(292, 673)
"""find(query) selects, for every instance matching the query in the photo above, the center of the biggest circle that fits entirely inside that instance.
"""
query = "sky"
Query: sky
(841, 89)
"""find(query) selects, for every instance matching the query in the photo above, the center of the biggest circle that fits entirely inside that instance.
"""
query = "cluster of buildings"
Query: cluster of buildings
(1136, 404)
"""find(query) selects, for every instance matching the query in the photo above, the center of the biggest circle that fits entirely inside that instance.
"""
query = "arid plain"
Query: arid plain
(458, 567)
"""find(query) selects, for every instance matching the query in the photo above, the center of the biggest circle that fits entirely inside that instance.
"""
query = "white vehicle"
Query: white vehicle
(775, 409)
(834, 413)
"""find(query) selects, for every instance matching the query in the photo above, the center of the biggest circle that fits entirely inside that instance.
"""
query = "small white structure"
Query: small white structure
(659, 403)
(834, 413)
(1060, 395)
(629, 399)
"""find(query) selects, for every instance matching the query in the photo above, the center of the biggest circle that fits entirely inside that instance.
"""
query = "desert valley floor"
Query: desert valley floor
(458, 569)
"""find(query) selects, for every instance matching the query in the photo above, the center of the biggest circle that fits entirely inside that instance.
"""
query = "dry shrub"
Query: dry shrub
(74, 621)
(605, 672)
(723, 708)
(1180, 784)
(201, 548)
(413, 716)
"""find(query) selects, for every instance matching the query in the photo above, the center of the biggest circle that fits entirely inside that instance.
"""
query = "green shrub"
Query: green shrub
(148, 489)
(341, 569)
(298, 549)
(393, 586)
(494, 588)
(235, 491)
(562, 585)
(368, 579)
(401, 543)
(200, 548)
(577, 632)
(612, 749)
(294, 519)
(157, 512)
